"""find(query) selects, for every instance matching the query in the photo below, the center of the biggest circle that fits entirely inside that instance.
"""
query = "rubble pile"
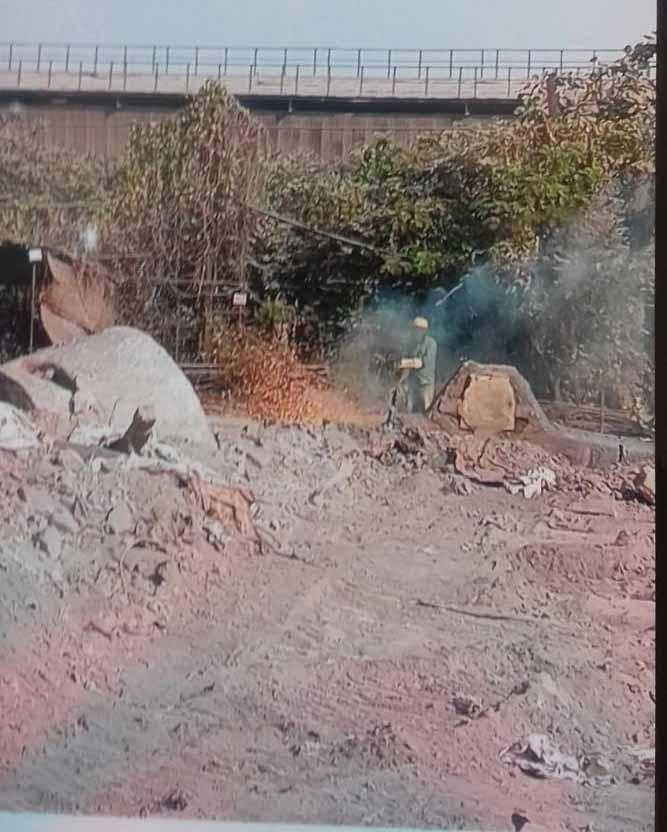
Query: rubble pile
(463, 607)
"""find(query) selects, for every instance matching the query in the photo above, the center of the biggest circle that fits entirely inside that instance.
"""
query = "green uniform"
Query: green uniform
(421, 382)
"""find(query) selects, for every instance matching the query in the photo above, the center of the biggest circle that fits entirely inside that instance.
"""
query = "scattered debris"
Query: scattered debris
(138, 434)
(644, 484)
(16, 432)
(120, 519)
(533, 483)
(50, 541)
(538, 757)
(230, 506)
(519, 821)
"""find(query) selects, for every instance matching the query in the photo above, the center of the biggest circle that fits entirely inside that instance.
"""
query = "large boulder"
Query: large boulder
(105, 378)
(491, 398)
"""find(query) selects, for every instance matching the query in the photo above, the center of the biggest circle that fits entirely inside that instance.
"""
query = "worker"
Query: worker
(418, 367)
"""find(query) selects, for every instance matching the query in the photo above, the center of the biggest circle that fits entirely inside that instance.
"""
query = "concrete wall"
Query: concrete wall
(102, 128)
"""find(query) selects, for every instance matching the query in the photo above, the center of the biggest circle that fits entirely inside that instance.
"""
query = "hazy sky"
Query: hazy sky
(355, 23)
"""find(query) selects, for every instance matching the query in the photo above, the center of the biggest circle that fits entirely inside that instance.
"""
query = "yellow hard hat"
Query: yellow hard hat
(420, 323)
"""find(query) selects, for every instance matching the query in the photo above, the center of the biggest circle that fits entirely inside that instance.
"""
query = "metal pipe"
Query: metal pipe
(482, 65)
(124, 75)
(154, 60)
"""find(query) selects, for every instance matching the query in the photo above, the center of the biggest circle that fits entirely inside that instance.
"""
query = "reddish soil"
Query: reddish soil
(319, 679)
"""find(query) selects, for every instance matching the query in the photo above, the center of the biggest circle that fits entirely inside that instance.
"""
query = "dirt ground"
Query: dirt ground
(396, 629)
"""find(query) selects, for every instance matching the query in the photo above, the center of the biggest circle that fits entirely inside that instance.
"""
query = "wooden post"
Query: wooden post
(32, 307)
(602, 411)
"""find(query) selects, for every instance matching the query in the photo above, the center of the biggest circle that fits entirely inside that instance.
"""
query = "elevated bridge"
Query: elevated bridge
(323, 100)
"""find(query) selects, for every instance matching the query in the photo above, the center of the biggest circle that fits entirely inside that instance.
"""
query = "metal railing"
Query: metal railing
(292, 71)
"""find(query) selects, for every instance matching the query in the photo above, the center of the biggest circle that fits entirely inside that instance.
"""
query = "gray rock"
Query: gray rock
(50, 541)
(68, 458)
(120, 519)
(63, 521)
(645, 483)
(16, 431)
(121, 370)
(37, 500)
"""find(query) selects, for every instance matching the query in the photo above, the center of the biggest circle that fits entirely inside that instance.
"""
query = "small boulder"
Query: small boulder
(120, 519)
(50, 541)
(644, 483)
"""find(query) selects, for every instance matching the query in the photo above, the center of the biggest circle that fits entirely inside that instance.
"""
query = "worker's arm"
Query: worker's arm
(410, 364)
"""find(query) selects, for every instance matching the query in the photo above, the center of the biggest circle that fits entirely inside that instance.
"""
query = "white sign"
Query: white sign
(240, 299)
(34, 255)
